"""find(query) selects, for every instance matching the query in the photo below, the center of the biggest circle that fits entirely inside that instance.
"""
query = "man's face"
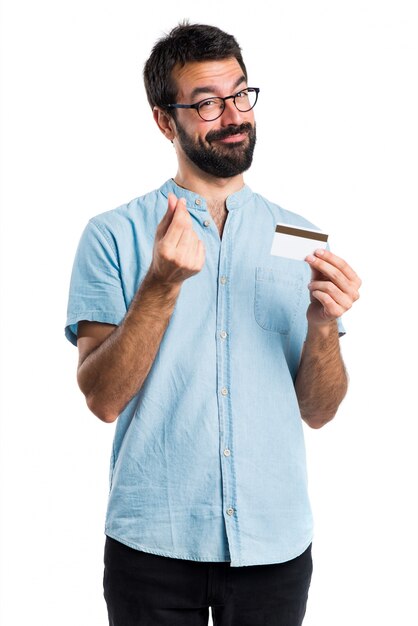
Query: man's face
(224, 147)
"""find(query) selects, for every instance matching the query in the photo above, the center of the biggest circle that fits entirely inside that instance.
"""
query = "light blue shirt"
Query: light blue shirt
(208, 460)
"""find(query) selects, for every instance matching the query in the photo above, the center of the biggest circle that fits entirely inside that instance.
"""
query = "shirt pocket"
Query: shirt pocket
(277, 300)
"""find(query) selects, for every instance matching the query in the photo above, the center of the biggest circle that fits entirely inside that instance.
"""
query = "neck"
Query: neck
(214, 190)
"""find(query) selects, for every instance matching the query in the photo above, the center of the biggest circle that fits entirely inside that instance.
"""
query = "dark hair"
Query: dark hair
(184, 44)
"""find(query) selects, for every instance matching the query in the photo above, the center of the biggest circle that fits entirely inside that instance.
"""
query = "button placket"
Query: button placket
(225, 393)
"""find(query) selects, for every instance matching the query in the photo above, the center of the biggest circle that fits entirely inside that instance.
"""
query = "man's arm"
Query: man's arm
(115, 361)
(321, 381)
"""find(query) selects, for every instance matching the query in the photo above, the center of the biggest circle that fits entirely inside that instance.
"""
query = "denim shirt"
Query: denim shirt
(208, 459)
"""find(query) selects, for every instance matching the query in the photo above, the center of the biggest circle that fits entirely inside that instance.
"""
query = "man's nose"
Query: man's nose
(231, 115)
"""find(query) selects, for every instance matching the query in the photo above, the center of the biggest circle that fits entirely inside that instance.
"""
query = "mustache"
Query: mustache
(229, 131)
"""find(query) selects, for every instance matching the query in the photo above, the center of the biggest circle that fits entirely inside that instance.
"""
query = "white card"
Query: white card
(294, 242)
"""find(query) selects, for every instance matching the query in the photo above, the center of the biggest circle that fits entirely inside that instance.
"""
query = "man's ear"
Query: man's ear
(164, 122)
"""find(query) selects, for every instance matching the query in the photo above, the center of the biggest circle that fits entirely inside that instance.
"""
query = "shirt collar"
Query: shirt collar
(197, 202)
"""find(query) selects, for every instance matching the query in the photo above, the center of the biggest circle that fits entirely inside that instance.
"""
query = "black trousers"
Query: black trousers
(143, 589)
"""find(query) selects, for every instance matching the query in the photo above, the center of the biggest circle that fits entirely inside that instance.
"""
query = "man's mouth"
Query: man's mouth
(228, 135)
(235, 138)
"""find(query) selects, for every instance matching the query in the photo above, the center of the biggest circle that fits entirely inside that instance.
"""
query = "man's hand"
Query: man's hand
(334, 287)
(321, 381)
(178, 252)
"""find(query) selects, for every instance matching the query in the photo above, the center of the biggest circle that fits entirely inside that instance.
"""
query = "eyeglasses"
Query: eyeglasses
(212, 108)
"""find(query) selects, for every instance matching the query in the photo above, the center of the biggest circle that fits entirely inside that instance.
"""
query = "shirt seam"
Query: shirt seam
(83, 311)
(103, 231)
(173, 555)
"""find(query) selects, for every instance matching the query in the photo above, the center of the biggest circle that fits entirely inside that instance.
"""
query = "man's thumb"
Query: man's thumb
(168, 216)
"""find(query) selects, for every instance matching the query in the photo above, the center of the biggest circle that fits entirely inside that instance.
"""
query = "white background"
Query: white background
(337, 128)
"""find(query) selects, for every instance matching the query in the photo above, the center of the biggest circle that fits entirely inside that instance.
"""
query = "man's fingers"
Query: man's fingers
(178, 253)
(187, 243)
(172, 201)
(168, 216)
(331, 310)
(330, 264)
(342, 299)
(334, 283)
(189, 250)
(181, 221)
(336, 270)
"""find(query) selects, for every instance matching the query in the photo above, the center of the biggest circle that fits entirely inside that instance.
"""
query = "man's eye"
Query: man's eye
(208, 103)
(242, 94)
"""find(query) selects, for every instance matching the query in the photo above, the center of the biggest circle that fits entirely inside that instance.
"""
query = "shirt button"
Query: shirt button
(227, 452)
(206, 223)
(223, 334)
(230, 511)
(224, 391)
(198, 202)
(223, 280)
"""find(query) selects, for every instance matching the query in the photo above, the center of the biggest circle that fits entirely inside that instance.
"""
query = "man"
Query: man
(208, 351)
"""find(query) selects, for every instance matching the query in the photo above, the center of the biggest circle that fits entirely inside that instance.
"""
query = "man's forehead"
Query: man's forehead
(197, 76)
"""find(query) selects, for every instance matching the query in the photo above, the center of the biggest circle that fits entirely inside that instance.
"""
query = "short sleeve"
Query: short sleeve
(96, 292)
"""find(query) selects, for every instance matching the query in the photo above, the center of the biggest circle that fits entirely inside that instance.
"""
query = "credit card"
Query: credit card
(294, 242)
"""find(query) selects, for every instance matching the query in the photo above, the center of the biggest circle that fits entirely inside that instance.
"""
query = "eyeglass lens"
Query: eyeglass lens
(212, 108)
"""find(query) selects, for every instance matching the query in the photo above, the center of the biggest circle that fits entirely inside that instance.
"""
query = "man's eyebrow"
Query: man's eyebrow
(212, 88)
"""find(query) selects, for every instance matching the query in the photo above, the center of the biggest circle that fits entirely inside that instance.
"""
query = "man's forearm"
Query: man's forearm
(321, 382)
(114, 372)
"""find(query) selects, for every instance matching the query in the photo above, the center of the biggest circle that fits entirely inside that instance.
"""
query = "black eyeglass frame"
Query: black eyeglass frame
(197, 105)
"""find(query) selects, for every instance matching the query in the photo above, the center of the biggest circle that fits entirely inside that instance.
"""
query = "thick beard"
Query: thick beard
(221, 161)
